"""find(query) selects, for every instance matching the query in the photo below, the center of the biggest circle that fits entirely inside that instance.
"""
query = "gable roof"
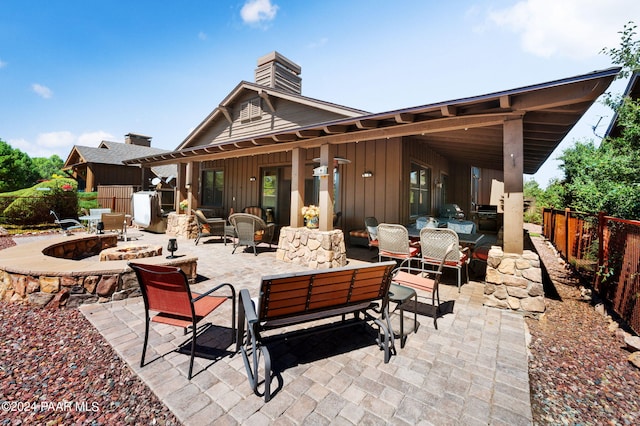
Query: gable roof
(265, 92)
(469, 130)
(115, 153)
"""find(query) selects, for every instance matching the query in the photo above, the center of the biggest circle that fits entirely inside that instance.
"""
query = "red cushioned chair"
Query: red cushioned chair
(424, 281)
(165, 290)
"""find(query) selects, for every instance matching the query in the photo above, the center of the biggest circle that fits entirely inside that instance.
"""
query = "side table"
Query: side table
(400, 295)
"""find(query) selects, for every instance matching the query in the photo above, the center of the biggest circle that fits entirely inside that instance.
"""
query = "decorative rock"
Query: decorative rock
(33, 284)
(513, 302)
(76, 300)
(518, 292)
(489, 288)
(634, 359)
(40, 298)
(50, 284)
(500, 293)
(513, 281)
(507, 266)
(533, 274)
(90, 283)
(632, 342)
(19, 285)
(533, 304)
(495, 303)
(59, 299)
(536, 290)
(493, 276)
(107, 285)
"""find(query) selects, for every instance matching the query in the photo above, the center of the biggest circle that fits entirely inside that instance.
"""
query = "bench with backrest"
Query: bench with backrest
(289, 299)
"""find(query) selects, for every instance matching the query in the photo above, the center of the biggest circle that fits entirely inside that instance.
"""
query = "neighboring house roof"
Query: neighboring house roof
(632, 91)
(116, 153)
(468, 129)
(265, 92)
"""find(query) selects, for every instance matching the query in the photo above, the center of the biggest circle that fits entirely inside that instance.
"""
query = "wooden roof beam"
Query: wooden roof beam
(286, 137)
(335, 129)
(367, 124)
(306, 134)
(449, 110)
(404, 118)
(226, 112)
(505, 102)
(267, 100)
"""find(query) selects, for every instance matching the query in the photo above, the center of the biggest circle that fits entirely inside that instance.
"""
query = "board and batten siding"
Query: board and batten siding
(287, 115)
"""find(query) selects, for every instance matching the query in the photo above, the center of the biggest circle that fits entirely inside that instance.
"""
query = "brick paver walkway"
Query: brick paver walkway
(472, 370)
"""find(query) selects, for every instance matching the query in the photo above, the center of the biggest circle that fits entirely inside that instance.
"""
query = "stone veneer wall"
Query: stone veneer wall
(311, 247)
(54, 289)
(514, 281)
(182, 225)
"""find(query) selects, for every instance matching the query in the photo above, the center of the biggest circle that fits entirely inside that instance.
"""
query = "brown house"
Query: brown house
(268, 145)
(105, 165)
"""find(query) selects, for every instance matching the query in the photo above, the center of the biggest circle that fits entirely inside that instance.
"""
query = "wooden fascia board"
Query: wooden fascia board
(557, 96)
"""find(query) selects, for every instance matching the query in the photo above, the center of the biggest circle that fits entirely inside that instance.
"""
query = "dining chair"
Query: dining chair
(393, 243)
(426, 282)
(434, 243)
(250, 230)
(165, 290)
(371, 226)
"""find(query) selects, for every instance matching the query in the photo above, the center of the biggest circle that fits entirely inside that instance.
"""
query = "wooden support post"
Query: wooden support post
(513, 186)
(297, 186)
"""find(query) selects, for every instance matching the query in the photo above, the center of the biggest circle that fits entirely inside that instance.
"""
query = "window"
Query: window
(251, 109)
(212, 188)
(419, 190)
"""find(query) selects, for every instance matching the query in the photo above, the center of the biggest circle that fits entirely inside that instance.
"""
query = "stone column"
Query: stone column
(514, 281)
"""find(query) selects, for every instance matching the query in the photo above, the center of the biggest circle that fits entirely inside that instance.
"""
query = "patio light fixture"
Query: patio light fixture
(367, 174)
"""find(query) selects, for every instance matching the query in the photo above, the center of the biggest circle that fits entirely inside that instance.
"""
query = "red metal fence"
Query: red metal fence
(605, 250)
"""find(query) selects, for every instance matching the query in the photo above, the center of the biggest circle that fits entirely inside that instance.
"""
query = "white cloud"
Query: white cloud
(56, 139)
(59, 143)
(202, 35)
(568, 28)
(2, 63)
(94, 138)
(41, 90)
(258, 11)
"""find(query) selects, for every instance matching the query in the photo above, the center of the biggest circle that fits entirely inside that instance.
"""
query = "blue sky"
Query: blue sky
(81, 71)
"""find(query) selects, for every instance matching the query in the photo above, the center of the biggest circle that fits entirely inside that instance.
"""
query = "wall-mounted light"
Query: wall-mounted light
(252, 179)
(367, 174)
(437, 183)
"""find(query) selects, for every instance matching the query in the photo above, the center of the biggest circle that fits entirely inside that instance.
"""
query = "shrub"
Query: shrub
(32, 205)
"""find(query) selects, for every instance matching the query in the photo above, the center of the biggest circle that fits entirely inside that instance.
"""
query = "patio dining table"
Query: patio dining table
(465, 239)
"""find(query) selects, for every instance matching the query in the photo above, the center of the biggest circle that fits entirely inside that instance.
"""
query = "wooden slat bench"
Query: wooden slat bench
(290, 299)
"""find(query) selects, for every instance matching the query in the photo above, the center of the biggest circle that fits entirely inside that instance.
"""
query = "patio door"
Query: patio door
(275, 194)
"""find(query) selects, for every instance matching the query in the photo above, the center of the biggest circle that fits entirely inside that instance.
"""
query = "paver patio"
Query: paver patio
(472, 370)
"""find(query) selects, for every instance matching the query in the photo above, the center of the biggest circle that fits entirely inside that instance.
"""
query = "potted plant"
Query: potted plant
(310, 214)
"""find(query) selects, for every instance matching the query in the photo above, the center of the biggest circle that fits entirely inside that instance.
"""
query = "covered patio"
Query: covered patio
(503, 135)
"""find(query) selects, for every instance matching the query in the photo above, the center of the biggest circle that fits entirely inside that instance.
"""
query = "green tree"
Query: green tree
(16, 169)
(47, 167)
(607, 177)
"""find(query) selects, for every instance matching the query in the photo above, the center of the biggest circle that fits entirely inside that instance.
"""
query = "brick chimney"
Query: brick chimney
(274, 70)
(134, 139)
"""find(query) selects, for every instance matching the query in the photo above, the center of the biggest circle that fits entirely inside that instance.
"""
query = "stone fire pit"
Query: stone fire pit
(130, 252)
